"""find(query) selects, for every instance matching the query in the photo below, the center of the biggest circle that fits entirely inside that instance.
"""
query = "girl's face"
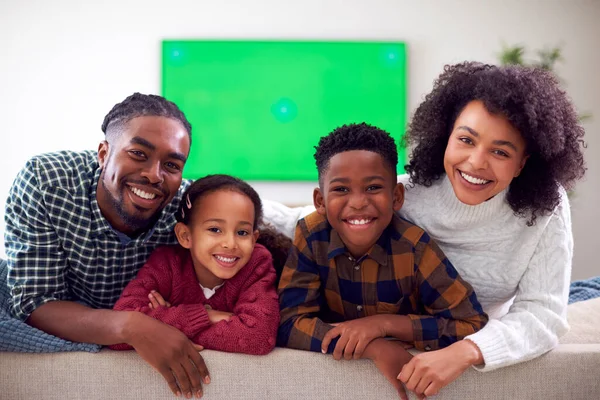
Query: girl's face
(484, 153)
(220, 235)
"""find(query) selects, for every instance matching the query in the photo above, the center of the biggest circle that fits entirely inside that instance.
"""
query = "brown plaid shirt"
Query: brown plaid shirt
(405, 273)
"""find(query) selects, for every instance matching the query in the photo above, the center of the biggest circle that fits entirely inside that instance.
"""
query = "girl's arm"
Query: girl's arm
(252, 329)
(159, 273)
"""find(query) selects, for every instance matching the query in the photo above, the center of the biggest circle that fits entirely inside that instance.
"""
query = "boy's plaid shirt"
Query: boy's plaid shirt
(58, 244)
(404, 273)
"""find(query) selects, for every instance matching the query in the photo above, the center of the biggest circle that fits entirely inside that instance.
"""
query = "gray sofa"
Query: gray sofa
(570, 371)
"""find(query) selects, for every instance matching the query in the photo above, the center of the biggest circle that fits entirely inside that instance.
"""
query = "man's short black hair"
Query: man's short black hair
(144, 105)
(356, 137)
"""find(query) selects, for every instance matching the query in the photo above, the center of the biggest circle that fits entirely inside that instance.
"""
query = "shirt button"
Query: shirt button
(350, 258)
(357, 267)
(359, 308)
(427, 348)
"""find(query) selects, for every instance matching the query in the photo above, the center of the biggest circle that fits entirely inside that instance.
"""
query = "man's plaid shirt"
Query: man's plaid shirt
(58, 244)
(404, 273)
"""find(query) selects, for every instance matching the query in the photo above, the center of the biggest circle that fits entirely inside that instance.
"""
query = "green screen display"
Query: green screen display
(258, 108)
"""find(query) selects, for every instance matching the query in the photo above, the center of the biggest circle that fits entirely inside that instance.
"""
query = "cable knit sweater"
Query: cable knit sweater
(250, 295)
(521, 274)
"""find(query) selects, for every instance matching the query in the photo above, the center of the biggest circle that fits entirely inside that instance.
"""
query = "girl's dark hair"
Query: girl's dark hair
(531, 99)
(275, 242)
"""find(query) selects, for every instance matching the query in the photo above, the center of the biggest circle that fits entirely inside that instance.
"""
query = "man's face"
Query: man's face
(141, 171)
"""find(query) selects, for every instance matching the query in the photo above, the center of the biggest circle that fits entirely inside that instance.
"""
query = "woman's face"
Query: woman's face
(484, 153)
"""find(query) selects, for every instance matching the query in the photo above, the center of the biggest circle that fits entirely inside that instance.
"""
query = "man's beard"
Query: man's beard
(137, 223)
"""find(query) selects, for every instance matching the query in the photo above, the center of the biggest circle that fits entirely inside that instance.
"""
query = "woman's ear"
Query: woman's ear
(319, 201)
(398, 197)
(184, 236)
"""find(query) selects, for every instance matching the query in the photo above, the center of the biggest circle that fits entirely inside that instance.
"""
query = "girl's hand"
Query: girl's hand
(216, 316)
(354, 335)
(428, 372)
(156, 300)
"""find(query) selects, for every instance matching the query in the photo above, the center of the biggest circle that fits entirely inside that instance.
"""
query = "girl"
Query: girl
(218, 285)
(494, 150)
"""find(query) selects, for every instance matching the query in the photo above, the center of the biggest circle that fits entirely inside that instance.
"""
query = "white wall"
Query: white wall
(65, 63)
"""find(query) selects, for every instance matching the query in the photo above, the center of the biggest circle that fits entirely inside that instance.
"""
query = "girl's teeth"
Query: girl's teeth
(473, 180)
(225, 259)
(142, 194)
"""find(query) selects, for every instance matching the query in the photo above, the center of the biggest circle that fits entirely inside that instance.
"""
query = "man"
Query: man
(80, 225)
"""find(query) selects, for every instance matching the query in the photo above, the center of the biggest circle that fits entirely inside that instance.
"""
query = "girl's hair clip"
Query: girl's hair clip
(188, 203)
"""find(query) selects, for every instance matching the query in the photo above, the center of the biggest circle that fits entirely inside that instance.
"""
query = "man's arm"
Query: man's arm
(36, 279)
(300, 299)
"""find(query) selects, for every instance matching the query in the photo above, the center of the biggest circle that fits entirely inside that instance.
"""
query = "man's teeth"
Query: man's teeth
(473, 180)
(226, 259)
(358, 221)
(142, 194)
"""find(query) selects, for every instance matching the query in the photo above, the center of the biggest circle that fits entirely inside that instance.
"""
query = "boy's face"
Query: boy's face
(358, 194)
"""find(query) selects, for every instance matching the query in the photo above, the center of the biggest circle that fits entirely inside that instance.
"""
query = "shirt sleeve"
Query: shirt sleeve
(253, 327)
(537, 317)
(452, 310)
(156, 274)
(301, 300)
(35, 257)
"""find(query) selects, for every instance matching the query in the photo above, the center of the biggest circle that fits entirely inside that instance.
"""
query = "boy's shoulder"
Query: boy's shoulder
(314, 223)
(403, 229)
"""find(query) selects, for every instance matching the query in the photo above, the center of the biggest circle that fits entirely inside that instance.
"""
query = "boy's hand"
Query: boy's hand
(216, 316)
(428, 372)
(354, 336)
(389, 357)
(156, 300)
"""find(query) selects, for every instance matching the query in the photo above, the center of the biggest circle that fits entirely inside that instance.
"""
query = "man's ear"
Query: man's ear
(102, 153)
(398, 196)
(184, 236)
(319, 201)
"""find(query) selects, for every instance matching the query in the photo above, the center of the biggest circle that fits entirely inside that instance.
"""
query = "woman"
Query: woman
(495, 149)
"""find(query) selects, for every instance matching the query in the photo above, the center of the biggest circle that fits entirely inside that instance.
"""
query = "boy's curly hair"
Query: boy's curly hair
(532, 101)
(356, 137)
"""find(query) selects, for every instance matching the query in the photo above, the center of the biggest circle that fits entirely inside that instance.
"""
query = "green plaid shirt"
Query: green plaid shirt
(58, 244)
(405, 273)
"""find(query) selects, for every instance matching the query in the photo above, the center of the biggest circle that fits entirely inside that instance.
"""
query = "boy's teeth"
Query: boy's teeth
(359, 221)
(225, 259)
(472, 179)
(142, 194)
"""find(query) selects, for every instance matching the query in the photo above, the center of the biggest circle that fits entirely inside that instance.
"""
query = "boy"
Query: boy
(358, 273)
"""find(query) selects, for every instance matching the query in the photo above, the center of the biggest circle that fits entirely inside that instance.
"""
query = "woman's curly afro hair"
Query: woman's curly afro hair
(532, 101)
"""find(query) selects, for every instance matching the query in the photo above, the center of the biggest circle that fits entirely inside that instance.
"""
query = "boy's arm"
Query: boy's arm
(252, 329)
(157, 274)
(300, 299)
(452, 305)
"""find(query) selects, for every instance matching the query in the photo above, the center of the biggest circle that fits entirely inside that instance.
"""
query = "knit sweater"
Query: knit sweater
(250, 295)
(520, 274)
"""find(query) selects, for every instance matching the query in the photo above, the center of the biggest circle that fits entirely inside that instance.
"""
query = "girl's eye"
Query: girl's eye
(501, 153)
(465, 140)
(243, 233)
(214, 230)
(374, 187)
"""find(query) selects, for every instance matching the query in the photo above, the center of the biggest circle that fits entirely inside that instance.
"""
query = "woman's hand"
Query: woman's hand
(428, 372)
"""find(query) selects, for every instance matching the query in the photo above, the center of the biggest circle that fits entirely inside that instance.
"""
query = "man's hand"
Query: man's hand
(389, 357)
(156, 300)
(354, 336)
(216, 316)
(428, 372)
(170, 352)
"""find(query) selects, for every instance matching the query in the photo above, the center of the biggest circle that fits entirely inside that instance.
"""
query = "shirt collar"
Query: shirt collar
(378, 252)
